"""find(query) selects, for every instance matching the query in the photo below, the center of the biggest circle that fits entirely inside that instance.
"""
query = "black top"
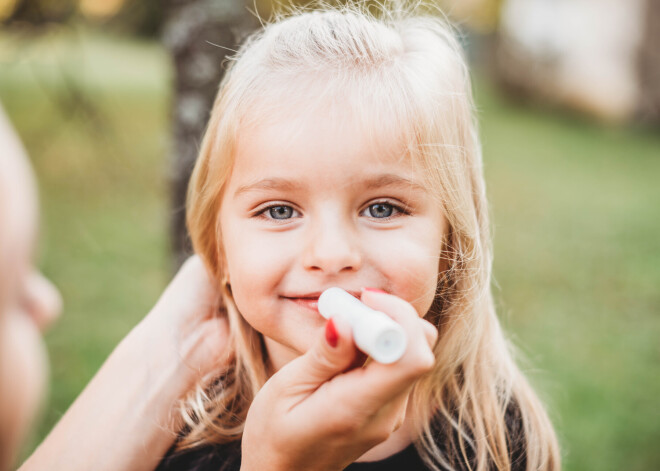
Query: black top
(227, 457)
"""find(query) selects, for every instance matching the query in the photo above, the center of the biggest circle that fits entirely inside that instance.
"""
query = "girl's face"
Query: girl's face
(312, 204)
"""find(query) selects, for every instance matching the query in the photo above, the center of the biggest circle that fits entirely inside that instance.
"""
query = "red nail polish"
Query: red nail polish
(374, 290)
(331, 335)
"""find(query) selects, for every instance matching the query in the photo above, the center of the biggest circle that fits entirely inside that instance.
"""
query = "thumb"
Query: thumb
(332, 354)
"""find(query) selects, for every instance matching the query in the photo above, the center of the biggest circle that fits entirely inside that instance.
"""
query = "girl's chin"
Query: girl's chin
(282, 352)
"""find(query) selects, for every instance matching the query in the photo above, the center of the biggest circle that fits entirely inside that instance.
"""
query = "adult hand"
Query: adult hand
(188, 324)
(318, 414)
(126, 418)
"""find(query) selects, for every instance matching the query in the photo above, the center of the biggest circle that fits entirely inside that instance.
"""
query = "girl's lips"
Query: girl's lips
(309, 303)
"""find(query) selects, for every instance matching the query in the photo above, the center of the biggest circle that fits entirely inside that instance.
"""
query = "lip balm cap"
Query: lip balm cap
(389, 346)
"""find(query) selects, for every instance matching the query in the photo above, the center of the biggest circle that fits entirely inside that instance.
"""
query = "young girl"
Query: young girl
(342, 151)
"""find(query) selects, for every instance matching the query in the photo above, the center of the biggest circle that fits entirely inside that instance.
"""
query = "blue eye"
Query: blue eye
(280, 212)
(380, 210)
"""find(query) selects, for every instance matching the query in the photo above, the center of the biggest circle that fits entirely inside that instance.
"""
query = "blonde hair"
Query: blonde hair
(414, 60)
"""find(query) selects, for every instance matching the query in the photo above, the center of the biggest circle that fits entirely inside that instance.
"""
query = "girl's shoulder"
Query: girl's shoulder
(447, 440)
(516, 440)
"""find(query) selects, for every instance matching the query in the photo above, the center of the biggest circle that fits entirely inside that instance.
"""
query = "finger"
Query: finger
(430, 332)
(207, 347)
(332, 354)
(403, 313)
(395, 307)
(390, 417)
(192, 292)
(193, 276)
(376, 384)
(393, 413)
(399, 409)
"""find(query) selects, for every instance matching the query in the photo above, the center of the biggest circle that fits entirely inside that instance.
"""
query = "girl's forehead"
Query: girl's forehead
(322, 127)
(369, 111)
(322, 120)
(326, 142)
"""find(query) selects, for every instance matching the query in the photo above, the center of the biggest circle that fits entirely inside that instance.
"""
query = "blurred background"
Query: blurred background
(111, 97)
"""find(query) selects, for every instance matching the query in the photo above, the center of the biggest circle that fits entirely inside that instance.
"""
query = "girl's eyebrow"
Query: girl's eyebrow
(391, 179)
(268, 184)
(370, 183)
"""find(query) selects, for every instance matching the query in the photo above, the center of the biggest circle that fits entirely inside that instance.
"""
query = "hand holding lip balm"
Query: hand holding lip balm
(374, 332)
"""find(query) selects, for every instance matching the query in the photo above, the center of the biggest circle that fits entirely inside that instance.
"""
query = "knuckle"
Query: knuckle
(424, 362)
(381, 433)
(397, 424)
(430, 330)
(274, 384)
(347, 424)
(397, 307)
(428, 360)
(406, 308)
(321, 360)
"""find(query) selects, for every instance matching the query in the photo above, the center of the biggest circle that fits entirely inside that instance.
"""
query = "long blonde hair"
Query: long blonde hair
(414, 60)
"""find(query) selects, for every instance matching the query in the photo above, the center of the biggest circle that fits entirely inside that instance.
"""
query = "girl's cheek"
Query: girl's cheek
(410, 265)
(258, 261)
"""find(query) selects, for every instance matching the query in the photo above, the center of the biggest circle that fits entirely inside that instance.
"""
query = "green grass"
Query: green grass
(576, 247)
(575, 219)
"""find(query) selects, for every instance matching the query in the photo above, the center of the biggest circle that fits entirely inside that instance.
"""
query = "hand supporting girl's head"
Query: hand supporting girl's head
(342, 150)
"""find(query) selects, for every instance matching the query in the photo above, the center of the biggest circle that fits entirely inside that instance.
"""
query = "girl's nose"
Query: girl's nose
(44, 302)
(332, 247)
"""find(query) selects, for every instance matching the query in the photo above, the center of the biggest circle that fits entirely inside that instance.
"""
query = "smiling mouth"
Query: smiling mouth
(311, 303)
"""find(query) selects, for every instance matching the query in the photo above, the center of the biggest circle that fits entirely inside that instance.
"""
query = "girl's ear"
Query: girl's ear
(226, 283)
(223, 272)
(224, 275)
(222, 264)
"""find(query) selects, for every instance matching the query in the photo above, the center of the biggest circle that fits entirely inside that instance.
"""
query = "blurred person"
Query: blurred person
(28, 301)
(125, 418)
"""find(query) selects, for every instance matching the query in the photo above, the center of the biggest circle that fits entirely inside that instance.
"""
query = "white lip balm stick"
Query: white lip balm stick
(374, 332)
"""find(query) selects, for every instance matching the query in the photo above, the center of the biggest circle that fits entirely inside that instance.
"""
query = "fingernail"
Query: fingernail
(331, 335)
(374, 290)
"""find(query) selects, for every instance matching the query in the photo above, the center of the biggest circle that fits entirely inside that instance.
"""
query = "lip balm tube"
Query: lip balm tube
(374, 332)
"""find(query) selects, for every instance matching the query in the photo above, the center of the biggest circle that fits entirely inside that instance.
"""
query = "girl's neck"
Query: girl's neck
(278, 356)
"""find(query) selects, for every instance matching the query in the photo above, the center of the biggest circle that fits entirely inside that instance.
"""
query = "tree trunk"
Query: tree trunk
(649, 66)
(192, 32)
